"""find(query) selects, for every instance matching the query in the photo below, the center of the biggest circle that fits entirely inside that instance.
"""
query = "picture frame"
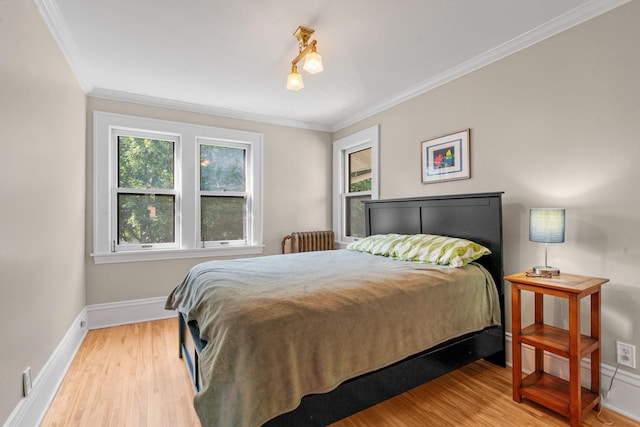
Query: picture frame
(445, 158)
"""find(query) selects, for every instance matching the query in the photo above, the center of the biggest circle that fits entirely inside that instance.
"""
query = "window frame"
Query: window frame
(246, 194)
(367, 138)
(115, 189)
(186, 184)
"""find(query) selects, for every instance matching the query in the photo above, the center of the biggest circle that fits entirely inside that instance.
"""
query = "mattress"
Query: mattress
(281, 327)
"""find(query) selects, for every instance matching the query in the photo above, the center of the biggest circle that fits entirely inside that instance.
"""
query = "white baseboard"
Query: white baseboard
(625, 389)
(126, 312)
(31, 410)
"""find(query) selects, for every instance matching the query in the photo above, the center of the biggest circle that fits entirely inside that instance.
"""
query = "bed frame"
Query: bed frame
(476, 217)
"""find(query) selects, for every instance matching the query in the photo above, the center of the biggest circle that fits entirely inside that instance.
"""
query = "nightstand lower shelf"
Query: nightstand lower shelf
(553, 393)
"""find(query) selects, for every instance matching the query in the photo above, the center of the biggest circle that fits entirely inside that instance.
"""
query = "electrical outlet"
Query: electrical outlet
(626, 354)
(26, 382)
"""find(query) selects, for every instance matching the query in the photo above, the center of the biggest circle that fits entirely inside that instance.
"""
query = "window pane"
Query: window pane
(222, 218)
(355, 221)
(360, 171)
(145, 219)
(145, 163)
(221, 168)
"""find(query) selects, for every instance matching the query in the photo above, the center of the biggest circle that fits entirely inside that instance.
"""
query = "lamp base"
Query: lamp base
(541, 270)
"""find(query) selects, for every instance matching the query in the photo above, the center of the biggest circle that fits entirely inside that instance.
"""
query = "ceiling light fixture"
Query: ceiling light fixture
(307, 50)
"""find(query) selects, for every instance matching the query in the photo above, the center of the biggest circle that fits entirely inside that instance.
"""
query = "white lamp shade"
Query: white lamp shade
(312, 62)
(546, 225)
(294, 81)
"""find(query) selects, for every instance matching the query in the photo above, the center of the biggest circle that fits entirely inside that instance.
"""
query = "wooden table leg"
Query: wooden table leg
(595, 355)
(539, 319)
(575, 401)
(516, 325)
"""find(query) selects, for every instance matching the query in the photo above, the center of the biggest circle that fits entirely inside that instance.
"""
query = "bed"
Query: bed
(262, 351)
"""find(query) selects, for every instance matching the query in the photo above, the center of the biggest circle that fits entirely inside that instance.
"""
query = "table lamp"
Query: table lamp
(546, 225)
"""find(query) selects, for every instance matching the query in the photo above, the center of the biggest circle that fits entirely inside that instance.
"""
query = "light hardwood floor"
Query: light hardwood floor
(131, 376)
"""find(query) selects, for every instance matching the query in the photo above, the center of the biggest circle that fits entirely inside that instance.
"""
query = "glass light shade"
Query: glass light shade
(312, 62)
(294, 80)
(546, 225)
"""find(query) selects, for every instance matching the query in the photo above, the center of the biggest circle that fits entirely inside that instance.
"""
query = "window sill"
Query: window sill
(168, 254)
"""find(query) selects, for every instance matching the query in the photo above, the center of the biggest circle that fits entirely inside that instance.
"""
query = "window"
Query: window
(355, 163)
(145, 191)
(358, 179)
(223, 194)
(165, 190)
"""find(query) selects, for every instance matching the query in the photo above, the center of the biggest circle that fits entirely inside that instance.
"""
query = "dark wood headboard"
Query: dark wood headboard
(476, 217)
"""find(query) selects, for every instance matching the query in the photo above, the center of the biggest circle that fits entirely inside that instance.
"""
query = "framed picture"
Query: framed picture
(445, 158)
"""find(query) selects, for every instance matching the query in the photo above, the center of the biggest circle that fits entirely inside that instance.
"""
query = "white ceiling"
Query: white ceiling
(232, 57)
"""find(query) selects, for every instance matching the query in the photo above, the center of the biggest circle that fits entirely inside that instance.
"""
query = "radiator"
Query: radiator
(307, 241)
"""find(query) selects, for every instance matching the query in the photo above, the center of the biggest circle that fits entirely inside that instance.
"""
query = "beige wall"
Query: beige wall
(297, 196)
(553, 125)
(42, 195)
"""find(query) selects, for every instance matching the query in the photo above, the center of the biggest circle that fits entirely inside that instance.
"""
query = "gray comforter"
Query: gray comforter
(283, 326)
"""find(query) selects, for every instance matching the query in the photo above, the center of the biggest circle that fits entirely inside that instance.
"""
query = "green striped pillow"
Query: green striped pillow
(426, 248)
(442, 250)
(378, 244)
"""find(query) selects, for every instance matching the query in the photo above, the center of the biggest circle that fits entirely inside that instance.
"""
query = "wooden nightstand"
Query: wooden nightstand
(568, 398)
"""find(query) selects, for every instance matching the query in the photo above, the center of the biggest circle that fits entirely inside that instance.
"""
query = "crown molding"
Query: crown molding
(52, 17)
(555, 26)
(204, 109)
